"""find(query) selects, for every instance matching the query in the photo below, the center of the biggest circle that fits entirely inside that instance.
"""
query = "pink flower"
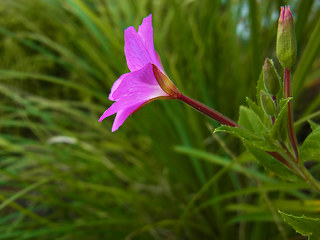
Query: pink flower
(146, 80)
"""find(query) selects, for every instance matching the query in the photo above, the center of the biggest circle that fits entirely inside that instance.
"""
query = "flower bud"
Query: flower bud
(286, 39)
(270, 77)
(268, 104)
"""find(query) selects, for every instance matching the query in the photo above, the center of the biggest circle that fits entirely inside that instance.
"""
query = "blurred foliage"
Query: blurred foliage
(162, 175)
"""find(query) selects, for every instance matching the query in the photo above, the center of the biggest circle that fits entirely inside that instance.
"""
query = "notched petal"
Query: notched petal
(135, 50)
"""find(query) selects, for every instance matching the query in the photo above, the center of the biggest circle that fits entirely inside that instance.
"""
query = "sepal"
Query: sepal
(165, 83)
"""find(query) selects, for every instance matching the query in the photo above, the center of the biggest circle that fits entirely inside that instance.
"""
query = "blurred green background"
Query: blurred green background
(162, 175)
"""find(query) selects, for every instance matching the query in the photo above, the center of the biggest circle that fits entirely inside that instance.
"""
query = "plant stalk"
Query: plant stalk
(308, 176)
(207, 111)
(280, 158)
(291, 132)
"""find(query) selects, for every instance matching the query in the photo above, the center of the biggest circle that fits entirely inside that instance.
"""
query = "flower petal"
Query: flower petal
(123, 115)
(129, 100)
(134, 89)
(124, 103)
(124, 108)
(134, 49)
(116, 85)
(142, 81)
(139, 47)
(145, 31)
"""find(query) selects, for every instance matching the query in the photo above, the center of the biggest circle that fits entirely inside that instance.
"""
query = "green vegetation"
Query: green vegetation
(163, 174)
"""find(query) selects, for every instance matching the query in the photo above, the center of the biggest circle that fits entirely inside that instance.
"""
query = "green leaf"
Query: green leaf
(259, 112)
(249, 138)
(251, 121)
(283, 102)
(311, 146)
(254, 107)
(313, 125)
(272, 164)
(306, 226)
(279, 128)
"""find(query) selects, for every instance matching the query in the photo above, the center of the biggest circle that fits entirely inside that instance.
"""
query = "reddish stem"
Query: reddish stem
(291, 132)
(289, 154)
(279, 157)
(224, 120)
(207, 111)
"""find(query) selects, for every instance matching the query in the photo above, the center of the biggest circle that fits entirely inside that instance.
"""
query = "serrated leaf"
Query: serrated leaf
(259, 111)
(251, 121)
(249, 138)
(284, 102)
(272, 164)
(254, 107)
(310, 149)
(279, 128)
(313, 125)
(306, 226)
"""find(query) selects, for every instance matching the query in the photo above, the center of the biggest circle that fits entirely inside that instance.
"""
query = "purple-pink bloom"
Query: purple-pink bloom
(142, 84)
